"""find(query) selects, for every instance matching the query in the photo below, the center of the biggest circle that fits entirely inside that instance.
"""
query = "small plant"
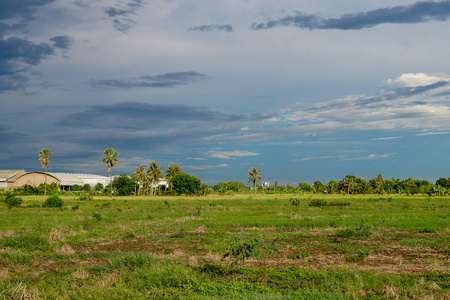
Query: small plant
(295, 201)
(86, 196)
(318, 203)
(97, 216)
(360, 255)
(427, 230)
(364, 230)
(75, 207)
(53, 201)
(11, 200)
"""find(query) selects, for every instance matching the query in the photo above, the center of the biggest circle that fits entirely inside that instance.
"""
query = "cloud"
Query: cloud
(231, 154)
(387, 138)
(409, 108)
(62, 42)
(205, 167)
(20, 8)
(434, 133)
(144, 127)
(417, 79)
(419, 12)
(17, 55)
(121, 15)
(212, 27)
(167, 80)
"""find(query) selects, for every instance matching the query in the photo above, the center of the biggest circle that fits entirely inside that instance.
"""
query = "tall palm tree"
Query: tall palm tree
(154, 174)
(140, 173)
(171, 172)
(110, 158)
(254, 176)
(44, 159)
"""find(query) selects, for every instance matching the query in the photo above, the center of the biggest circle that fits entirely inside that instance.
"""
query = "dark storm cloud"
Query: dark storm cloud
(212, 27)
(168, 80)
(418, 12)
(143, 126)
(25, 8)
(121, 16)
(14, 52)
(132, 115)
(63, 41)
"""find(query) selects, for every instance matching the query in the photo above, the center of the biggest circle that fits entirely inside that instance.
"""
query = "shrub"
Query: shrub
(11, 200)
(317, 202)
(295, 201)
(364, 230)
(53, 201)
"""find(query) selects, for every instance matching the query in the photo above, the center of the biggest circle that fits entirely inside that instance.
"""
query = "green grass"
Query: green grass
(365, 247)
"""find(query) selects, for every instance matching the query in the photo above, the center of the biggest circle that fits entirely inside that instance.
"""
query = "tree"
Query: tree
(123, 185)
(154, 174)
(332, 187)
(110, 158)
(318, 187)
(141, 177)
(187, 184)
(172, 171)
(349, 183)
(44, 159)
(254, 176)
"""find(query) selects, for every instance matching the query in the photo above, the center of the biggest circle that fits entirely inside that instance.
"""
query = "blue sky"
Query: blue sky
(303, 90)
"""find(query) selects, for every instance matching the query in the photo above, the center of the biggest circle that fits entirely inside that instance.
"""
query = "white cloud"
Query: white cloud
(205, 167)
(416, 79)
(231, 154)
(387, 138)
(434, 133)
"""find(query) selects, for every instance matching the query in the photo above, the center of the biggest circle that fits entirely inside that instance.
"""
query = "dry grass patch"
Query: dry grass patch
(66, 250)
(109, 279)
(80, 273)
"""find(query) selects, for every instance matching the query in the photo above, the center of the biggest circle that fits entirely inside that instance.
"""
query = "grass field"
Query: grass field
(227, 247)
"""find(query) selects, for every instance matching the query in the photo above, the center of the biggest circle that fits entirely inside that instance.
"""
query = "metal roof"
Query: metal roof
(11, 175)
(66, 178)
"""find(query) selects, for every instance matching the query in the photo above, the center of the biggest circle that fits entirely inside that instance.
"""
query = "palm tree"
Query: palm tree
(110, 158)
(140, 173)
(154, 174)
(171, 172)
(44, 159)
(254, 176)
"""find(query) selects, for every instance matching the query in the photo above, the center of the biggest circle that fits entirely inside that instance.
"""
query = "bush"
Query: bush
(295, 201)
(364, 230)
(11, 200)
(53, 201)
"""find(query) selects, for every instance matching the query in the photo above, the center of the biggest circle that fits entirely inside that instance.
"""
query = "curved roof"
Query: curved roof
(66, 178)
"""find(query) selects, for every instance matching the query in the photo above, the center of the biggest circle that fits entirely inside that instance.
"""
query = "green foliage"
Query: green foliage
(186, 184)
(364, 230)
(318, 203)
(29, 241)
(123, 185)
(87, 187)
(98, 187)
(85, 196)
(53, 201)
(75, 188)
(295, 201)
(11, 199)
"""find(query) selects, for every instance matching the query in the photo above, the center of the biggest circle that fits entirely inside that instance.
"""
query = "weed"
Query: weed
(295, 201)
(317, 203)
(97, 216)
(86, 196)
(364, 230)
(11, 200)
(427, 230)
(359, 255)
(53, 201)
(76, 207)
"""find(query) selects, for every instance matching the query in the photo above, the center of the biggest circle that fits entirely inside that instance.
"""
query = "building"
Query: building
(64, 180)
(7, 177)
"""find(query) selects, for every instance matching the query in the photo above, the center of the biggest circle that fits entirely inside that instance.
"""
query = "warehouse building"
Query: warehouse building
(12, 179)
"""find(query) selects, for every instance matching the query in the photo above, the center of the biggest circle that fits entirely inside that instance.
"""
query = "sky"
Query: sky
(301, 90)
